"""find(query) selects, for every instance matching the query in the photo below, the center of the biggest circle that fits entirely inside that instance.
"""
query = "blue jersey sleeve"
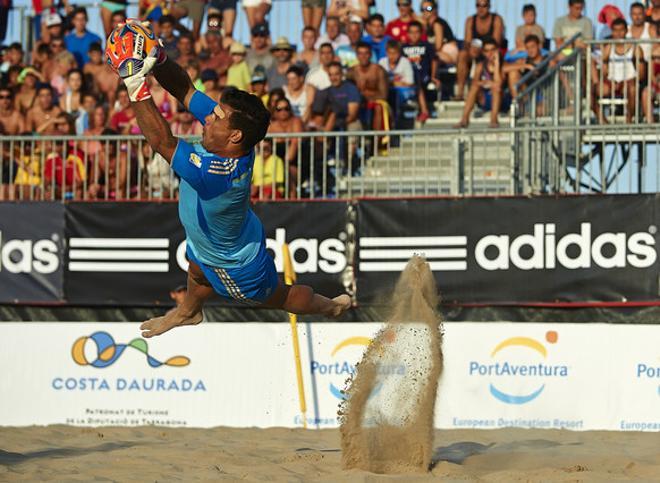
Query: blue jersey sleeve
(209, 175)
(201, 106)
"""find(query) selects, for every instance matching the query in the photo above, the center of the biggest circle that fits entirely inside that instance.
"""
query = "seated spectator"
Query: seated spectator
(332, 34)
(640, 29)
(371, 81)
(567, 26)
(318, 77)
(259, 51)
(529, 27)
(13, 59)
(300, 95)
(57, 46)
(185, 123)
(64, 62)
(348, 11)
(117, 17)
(42, 117)
(71, 101)
(623, 64)
(483, 25)
(104, 82)
(273, 96)
(85, 113)
(377, 38)
(122, 119)
(397, 29)
(210, 79)
(95, 127)
(256, 11)
(486, 85)
(27, 91)
(258, 85)
(185, 46)
(424, 62)
(193, 71)
(439, 33)
(108, 8)
(515, 71)
(166, 35)
(193, 9)
(108, 177)
(401, 76)
(346, 53)
(28, 170)
(215, 56)
(308, 57)
(165, 103)
(225, 11)
(12, 121)
(283, 53)
(339, 104)
(267, 174)
(312, 12)
(51, 27)
(284, 122)
(607, 15)
(42, 60)
(65, 170)
(238, 74)
(80, 39)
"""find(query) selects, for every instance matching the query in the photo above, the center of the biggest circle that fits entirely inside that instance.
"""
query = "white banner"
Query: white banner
(574, 376)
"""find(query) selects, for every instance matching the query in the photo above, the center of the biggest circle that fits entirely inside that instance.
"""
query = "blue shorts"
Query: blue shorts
(252, 284)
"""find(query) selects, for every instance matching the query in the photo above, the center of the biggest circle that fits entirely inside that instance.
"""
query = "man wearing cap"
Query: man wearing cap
(282, 52)
(51, 27)
(79, 40)
(238, 74)
(259, 51)
(258, 84)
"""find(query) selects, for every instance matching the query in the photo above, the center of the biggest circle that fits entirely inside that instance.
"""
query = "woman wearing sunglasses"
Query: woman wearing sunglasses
(439, 33)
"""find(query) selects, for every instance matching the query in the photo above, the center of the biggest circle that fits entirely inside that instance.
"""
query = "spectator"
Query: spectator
(160, 180)
(424, 62)
(79, 41)
(64, 169)
(117, 17)
(104, 82)
(28, 172)
(348, 11)
(71, 101)
(339, 104)
(185, 46)
(308, 57)
(13, 58)
(486, 86)
(186, 124)
(123, 118)
(283, 53)
(439, 33)
(42, 117)
(64, 62)
(346, 53)
(313, 11)
(51, 27)
(299, 94)
(332, 35)
(226, 10)
(529, 27)
(108, 176)
(268, 173)
(215, 57)
(165, 102)
(377, 38)
(259, 51)
(371, 81)
(640, 29)
(95, 127)
(515, 71)
(623, 64)
(167, 37)
(42, 60)
(85, 113)
(57, 45)
(397, 29)
(27, 92)
(12, 121)
(193, 71)
(193, 9)
(402, 90)
(318, 77)
(108, 9)
(238, 74)
(258, 84)
(483, 25)
(567, 26)
(256, 11)
(210, 79)
(607, 15)
(653, 15)
(284, 122)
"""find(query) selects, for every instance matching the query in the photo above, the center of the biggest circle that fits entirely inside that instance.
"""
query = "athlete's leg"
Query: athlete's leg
(301, 299)
(189, 312)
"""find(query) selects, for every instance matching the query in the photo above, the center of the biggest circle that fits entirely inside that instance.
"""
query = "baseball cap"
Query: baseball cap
(258, 75)
(477, 43)
(52, 18)
(260, 29)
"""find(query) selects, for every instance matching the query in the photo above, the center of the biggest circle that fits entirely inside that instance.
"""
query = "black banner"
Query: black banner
(31, 247)
(498, 250)
(134, 253)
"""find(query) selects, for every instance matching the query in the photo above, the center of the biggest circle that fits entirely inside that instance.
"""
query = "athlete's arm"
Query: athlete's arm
(174, 80)
(155, 128)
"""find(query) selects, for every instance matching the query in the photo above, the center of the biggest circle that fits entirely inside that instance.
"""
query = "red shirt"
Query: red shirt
(398, 30)
(73, 168)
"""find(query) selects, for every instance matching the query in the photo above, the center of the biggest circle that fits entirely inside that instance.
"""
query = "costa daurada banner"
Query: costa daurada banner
(571, 376)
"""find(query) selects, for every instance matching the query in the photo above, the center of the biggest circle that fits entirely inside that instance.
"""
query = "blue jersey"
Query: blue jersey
(214, 200)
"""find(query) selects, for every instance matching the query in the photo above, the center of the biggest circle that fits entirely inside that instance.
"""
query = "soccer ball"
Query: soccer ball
(128, 45)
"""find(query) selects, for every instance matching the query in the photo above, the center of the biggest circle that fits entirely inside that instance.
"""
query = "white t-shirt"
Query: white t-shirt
(403, 70)
(341, 39)
(318, 78)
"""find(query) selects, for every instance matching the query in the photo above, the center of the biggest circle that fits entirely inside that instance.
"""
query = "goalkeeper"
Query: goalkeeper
(226, 246)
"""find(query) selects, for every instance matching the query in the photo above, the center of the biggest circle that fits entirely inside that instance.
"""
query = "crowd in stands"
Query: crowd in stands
(361, 71)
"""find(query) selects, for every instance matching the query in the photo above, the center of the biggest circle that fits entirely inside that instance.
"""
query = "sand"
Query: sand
(64, 453)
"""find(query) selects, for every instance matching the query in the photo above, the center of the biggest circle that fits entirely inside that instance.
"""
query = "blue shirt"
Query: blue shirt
(378, 48)
(214, 200)
(79, 46)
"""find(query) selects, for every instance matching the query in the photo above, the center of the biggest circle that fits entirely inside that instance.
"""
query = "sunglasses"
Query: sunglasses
(283, 108)
(403, 4)
(483, 5)
(428, 8)
(2, 98)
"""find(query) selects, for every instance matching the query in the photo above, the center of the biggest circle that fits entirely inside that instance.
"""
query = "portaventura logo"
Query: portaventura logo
(536, 371)
(337, 367)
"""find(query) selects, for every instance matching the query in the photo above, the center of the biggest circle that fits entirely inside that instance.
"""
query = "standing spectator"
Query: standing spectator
(78, 41)
(299, 94)
(439, 33)
(215, 56)
(332, 34)
(108, 8)
(259, 51)
(5, 7)
(256, 11)
(193, 9)
(567, 26)
(349, 10)
(377, 38)
(607, 15)
(283, 53)
(481, 26)
(104, 82)
(238, 74)
(27, 92)
(71, 101)
(185, 46)
(227, 11)
(515, 71)
(313, 11)
(424, 62)
(308, 57)
(397, 29)
(346, 53)
(529, 27)
(41, 119)
(318, 77)
(486, 86)
(284, 122)
(12, 121)
(167, 37)
(371, 81)
(641, 29)
(268, 173)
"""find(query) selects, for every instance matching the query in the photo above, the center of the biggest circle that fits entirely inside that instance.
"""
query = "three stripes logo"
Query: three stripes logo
(390, 254)
(140, 255)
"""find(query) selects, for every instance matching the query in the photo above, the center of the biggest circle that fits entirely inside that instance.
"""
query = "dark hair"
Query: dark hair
(44, 87)
(166, 19)
(529, 7)
(532, 38)
(296, 69)
(393, 44)
(363, 45)
(489, 41)
(121, 13)
(638, 5)
(620, 21)
(75, 70)
(78, 10)
(336, 19)
(249, 115)
(415, 23)
(8, 89)
(334, 63)
(15, 46)
(108, 131)
(575, 2)
(95, 47)
(309, 28)
(376, 16)
(187, 35)
(325, 45)
(44, 49)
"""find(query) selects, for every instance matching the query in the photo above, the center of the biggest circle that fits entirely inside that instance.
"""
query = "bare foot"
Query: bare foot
(461, 124)
(160, 325)
(341, 305)
(494, 124)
